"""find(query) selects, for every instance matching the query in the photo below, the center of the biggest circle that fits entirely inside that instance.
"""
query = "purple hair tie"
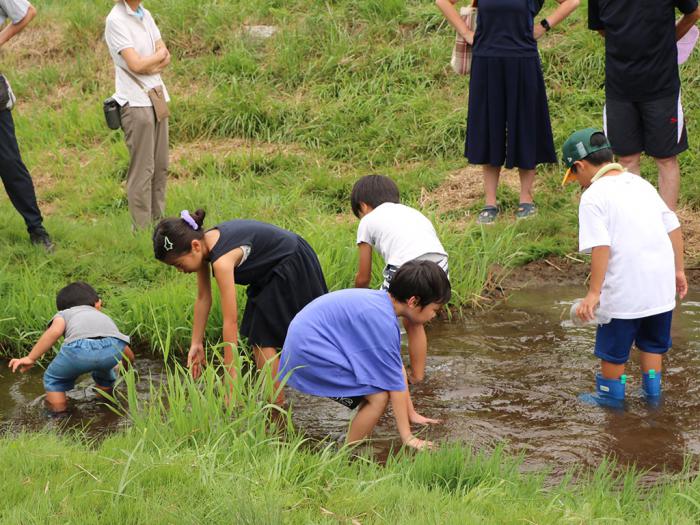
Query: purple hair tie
(185, 216)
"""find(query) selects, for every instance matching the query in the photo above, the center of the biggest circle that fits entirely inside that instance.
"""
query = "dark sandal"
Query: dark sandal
(525, 210)
(487, 215)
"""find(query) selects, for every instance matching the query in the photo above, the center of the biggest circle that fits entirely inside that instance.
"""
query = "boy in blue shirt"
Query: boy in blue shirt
(636, 248)
(399, 234)
(346, 345)
(92, 343)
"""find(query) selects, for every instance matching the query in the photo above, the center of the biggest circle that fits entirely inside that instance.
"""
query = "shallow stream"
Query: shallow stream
(513, 374)
(509, 375)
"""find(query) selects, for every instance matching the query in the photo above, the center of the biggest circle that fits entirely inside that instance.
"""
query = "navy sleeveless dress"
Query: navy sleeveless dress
(508, 120)
(282, 274)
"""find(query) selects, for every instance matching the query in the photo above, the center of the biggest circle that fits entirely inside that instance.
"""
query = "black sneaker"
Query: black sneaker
(41, 238)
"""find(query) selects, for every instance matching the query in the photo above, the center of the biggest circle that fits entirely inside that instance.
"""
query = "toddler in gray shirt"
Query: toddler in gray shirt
(92, 343)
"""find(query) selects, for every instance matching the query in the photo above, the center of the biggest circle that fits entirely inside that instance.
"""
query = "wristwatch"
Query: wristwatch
(545, 24)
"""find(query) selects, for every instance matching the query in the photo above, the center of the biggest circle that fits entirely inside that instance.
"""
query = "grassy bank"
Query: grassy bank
(200, 461)
(274, 129)
(277, 130)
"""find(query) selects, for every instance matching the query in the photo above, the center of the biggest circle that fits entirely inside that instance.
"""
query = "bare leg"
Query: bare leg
(527, 179)
(669, 180)
(650, 361)
(262, 356)
(417, 350)
(611, 370)
(57, 401)
(129, 356)
(491, 176)
(631, 162)
(367, 416)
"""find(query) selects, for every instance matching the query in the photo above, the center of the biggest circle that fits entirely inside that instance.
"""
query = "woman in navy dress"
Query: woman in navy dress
(508, 118)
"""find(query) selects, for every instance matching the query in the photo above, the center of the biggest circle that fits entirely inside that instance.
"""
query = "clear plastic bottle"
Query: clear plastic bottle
(599, 317)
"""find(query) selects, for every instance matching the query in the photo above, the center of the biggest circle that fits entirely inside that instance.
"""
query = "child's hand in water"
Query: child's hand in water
(24, 364)
(415, 418)
(196, 359)
(419, 444)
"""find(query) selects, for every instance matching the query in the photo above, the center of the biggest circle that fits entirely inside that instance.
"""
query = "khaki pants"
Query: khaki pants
(147, 141)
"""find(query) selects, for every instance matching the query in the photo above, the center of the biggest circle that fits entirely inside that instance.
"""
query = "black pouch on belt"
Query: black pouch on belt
(112, 113)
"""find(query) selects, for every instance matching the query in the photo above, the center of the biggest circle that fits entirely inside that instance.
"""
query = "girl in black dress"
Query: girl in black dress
(280, 269)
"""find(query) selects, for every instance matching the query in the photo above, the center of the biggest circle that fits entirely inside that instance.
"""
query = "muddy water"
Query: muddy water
(513, 375)
(22, 407)
(509, 375)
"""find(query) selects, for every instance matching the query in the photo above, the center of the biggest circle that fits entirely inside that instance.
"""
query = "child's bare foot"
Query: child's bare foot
(417, 419)
(420, 444)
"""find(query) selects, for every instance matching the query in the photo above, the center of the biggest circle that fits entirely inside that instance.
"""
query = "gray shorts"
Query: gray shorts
(390, 270)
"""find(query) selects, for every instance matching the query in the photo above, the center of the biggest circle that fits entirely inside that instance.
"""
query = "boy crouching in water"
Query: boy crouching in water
(346, 346)
(92, 343)
(400, 234)
(636, 250)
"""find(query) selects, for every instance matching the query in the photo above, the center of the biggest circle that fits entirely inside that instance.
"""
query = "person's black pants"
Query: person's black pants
(15, 176)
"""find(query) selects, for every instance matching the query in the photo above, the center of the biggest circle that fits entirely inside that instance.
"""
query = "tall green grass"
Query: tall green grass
(200, 452)
(276, 130)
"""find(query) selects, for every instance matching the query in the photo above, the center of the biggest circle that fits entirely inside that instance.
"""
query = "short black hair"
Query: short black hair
(602, 156)
(424, 280)
(173, 237)
(373, 190)
(78, 293)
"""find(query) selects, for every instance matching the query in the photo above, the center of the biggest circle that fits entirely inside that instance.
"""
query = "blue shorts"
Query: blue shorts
(98, 356)
(613, 341)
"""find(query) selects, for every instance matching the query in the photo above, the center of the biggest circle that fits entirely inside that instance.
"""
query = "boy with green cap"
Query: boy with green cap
(636, 250)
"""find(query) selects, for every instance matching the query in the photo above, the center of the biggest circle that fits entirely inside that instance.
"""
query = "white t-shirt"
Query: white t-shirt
(399, 233)
(627, 214)
(15, 10)
(124, 30)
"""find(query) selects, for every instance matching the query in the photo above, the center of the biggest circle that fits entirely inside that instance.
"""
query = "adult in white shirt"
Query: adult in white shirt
(140, 55)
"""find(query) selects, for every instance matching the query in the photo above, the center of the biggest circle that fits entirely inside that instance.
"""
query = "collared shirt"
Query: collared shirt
(15, 10)
(123, 30)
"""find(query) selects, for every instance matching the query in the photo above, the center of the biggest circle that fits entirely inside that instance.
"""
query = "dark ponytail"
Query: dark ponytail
(198, 217)
(173, 237)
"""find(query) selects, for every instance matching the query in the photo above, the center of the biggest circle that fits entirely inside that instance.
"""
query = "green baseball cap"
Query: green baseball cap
(577, 147)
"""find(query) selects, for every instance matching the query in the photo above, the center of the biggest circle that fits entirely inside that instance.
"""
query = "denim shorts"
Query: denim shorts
(613, 341)
(98, 356)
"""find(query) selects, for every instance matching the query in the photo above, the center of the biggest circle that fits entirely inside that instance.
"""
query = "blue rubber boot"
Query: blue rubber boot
(608, 392)
(651, 384)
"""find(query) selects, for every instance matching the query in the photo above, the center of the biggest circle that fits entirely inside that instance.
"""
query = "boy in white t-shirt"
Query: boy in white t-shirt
(636, 246)
(400, 234)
